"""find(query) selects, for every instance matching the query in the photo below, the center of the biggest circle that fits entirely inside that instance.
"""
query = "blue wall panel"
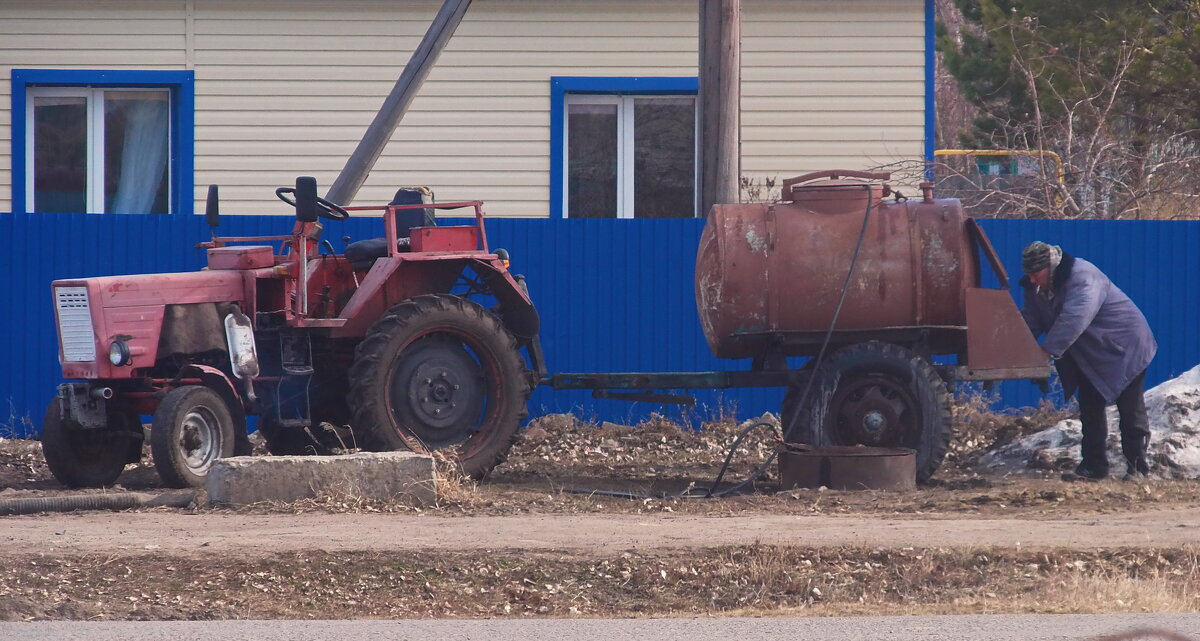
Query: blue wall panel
(614, 295)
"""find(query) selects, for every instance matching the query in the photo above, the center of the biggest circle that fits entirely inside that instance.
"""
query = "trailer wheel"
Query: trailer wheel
(875, 394)
(192, 428)
(80, 457)
(439, 372)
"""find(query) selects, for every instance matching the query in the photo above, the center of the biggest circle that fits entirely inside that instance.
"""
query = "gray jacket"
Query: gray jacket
(1091, 323)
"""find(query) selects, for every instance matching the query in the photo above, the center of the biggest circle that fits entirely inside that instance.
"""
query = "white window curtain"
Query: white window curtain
(143, 157)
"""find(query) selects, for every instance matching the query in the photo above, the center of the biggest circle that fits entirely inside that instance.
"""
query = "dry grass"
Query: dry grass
(751, 580)
(340, 498)
(975, 581)
(1121, 594)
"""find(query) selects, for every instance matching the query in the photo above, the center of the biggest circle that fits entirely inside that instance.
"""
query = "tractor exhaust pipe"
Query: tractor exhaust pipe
(103, 393)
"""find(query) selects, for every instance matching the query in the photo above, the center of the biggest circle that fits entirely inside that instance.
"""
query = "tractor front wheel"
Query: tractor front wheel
(439, 372)
(80, 457)
(192, 428)
(875, 394)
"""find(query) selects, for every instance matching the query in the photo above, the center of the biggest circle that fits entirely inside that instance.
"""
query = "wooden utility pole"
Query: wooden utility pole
(720, 102)
(359, 165)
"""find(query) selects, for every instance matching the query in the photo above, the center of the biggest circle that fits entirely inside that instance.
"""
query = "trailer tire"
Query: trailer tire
(439, 372)
(192, 428)
(875, 394)
(80, 457)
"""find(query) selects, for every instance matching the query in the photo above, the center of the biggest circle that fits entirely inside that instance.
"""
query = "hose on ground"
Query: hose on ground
(110, 501)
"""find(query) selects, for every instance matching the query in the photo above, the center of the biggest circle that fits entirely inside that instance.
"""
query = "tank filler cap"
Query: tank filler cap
(833, 192)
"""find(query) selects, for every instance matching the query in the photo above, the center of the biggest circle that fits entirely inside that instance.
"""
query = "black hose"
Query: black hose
(110, 501)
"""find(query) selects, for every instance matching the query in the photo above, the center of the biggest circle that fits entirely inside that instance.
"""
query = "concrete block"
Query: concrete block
(243, 480)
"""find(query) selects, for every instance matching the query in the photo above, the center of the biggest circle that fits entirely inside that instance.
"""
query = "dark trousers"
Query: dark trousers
(1135, 427)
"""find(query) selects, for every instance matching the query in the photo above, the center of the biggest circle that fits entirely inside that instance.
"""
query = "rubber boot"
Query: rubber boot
(1136, 464)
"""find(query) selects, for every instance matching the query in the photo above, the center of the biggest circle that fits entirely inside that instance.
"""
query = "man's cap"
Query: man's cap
(1037, 256)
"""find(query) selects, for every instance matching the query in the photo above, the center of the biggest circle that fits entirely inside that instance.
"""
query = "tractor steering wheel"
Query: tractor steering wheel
(325, 209)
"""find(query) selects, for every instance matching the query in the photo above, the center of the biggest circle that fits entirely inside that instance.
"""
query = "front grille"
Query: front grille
(75, 324)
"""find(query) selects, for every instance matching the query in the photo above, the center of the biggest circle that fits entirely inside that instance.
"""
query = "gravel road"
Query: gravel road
(204, 533)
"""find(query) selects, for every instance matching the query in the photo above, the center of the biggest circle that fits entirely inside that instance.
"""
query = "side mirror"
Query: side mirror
(306, 199)
(212, 209)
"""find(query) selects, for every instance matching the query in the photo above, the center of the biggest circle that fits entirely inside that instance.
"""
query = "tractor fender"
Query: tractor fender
(516, 308)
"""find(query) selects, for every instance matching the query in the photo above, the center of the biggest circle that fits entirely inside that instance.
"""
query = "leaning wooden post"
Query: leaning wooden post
(720, 102)
(359, 165)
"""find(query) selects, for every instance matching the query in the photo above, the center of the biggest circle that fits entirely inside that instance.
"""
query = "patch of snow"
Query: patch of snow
(767, 417)
(1173, 409)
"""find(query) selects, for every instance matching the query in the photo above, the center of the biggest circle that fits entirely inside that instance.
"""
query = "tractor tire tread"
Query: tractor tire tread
(365, 400)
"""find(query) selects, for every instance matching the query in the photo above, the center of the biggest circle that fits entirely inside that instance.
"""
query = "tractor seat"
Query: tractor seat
(362, 253)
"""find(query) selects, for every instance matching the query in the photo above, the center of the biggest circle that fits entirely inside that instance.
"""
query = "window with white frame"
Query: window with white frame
(98, 150)
(629, 156)
(102, 140)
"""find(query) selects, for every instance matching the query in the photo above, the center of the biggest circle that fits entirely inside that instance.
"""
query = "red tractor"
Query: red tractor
(382, 347)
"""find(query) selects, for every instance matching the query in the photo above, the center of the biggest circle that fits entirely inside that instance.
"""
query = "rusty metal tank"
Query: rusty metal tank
(769, 276)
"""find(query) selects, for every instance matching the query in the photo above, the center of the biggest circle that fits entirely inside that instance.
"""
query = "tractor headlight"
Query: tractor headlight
(118, 353)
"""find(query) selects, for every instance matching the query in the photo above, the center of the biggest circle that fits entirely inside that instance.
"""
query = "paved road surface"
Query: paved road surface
(169, 532)
(941, 628)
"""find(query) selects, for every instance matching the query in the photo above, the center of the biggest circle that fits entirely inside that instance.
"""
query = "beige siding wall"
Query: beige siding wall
(287, 87)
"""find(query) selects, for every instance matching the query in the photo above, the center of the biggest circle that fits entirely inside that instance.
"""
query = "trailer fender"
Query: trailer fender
(516, 308)
(219, 382)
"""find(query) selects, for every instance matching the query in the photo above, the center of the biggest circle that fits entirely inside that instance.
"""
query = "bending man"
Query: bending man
(1101, 345)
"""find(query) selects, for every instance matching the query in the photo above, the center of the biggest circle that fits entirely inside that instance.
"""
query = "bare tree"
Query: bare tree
(1077, 154)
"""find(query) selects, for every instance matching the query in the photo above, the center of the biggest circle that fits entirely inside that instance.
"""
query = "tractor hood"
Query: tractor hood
(161, 289)
(94, 313)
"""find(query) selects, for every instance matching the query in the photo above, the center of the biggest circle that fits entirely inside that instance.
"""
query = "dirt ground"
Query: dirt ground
(564, 466)
(489, 549)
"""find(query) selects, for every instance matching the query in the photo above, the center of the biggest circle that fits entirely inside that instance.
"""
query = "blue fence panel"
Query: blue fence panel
(614, 295)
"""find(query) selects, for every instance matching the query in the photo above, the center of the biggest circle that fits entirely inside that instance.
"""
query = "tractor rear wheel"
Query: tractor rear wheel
(439, 372)
(875, 394)
(192, 428)
(80, 457)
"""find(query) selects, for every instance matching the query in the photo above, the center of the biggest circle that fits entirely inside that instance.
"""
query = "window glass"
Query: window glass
(664, 153)
(100, 150)
(592, 160)
(136, 146)
(60, 141)
(630, 156)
